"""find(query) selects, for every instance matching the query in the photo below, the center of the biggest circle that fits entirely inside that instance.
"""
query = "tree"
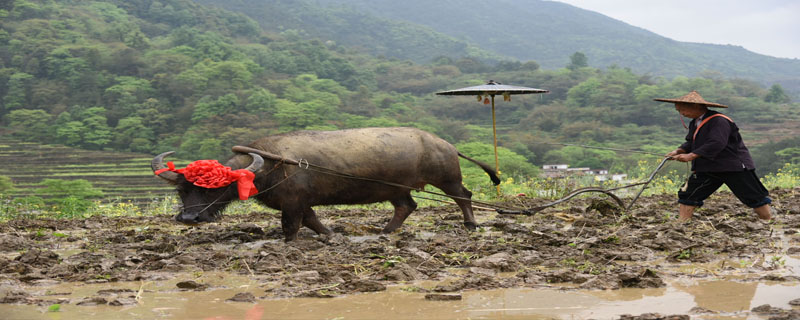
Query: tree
(580, 157)
(18, 89)
(31, 125)
(24, 9)
(208, 107)
(512, 164)
(776, 95)
(60, 64)
(131, 134)
(260, 101)
(360, 103)
(126, 95)
(530, 66)
(577, 60)
(230, 74)
(199, 144)
(301, 115)
(69, 131)
(471, 65)
(772, 156)
(583, 94)
(508, 65)
(789, 155)
(98, 133)
(158, 117)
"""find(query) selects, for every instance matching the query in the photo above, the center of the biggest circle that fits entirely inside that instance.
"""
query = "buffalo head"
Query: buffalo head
(201, 204)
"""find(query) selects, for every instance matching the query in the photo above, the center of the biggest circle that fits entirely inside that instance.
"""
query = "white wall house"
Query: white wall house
(561, 170)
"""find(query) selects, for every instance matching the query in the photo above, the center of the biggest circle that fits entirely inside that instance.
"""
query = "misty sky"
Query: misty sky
(770, 27)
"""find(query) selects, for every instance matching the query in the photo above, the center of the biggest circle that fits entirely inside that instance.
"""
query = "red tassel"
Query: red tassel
(486, 101)
(211, 174)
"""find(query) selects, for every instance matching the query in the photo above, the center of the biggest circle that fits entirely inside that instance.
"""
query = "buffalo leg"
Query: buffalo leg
(462, 197)
(290, 223)
(402, 209)
(311, 221)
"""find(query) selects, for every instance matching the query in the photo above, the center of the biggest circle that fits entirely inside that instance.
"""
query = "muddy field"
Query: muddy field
(585, 244)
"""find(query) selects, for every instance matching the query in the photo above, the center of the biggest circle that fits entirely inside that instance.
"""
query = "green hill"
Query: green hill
(547, 32)
(355, 29)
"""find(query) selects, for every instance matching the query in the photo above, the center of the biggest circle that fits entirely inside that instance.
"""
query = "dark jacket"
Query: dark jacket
(719, 145)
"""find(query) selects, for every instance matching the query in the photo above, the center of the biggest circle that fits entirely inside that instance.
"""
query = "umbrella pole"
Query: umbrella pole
(494, 133)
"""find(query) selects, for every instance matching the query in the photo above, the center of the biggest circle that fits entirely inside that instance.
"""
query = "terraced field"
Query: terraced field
(121, 176)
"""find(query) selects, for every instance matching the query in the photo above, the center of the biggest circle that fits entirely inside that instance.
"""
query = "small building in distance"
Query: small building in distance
(563, 170)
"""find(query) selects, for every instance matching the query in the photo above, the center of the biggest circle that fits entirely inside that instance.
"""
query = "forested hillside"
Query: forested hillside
(356, 29)
(155, 75)
(544, 31)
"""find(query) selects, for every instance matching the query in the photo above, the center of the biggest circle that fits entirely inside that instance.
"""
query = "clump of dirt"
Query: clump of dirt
(587, 243)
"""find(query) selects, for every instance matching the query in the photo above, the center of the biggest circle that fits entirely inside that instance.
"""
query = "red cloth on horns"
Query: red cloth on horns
(212, 174)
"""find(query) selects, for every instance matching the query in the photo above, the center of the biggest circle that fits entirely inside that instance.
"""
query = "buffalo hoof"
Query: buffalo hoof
(471, 226)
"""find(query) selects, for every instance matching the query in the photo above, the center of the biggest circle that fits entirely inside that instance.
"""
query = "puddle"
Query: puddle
(162, 300)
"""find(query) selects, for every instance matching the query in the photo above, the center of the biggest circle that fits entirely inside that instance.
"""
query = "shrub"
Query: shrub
(71, 197)
(6, 185)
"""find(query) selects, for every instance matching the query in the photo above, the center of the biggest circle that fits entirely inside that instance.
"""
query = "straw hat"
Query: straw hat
(693, 97)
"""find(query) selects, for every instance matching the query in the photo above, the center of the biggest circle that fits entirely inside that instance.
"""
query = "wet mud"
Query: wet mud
(585, 244)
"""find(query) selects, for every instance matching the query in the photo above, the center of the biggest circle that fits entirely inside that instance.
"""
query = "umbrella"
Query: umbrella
(492, 89)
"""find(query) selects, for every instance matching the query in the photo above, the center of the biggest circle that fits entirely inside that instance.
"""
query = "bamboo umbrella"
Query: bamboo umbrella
(492, 89)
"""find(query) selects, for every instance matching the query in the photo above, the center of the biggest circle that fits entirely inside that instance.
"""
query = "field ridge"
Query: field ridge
(122, 176)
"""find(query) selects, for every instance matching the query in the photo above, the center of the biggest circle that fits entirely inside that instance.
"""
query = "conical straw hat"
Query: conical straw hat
(693, 97)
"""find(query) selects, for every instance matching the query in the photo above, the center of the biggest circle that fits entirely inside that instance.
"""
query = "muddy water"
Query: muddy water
(162, 300)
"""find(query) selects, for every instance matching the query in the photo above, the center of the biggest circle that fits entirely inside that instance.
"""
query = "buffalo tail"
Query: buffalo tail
(492, 174)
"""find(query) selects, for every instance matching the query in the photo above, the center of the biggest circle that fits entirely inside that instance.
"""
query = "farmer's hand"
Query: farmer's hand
(675, 153)
(686, 157)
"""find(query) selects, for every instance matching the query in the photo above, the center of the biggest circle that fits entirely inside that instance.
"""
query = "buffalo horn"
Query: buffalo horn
(258, 161)
(158, 164)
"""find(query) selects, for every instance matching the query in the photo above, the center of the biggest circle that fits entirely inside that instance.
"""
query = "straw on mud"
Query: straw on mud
(138, 297)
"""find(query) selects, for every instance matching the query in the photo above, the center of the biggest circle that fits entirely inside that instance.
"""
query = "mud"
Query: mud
(586, 244)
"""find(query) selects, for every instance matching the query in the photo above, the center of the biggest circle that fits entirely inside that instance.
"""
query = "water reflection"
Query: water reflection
(722, 296)
(776, 295)
(160, 300)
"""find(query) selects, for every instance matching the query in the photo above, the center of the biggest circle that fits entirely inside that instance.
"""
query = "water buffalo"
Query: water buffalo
(400, 156)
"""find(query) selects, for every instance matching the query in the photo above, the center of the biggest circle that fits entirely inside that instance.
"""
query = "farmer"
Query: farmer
(718, 155)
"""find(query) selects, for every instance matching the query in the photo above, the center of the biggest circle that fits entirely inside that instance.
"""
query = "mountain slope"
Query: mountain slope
(355, 29)
(547, 32)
